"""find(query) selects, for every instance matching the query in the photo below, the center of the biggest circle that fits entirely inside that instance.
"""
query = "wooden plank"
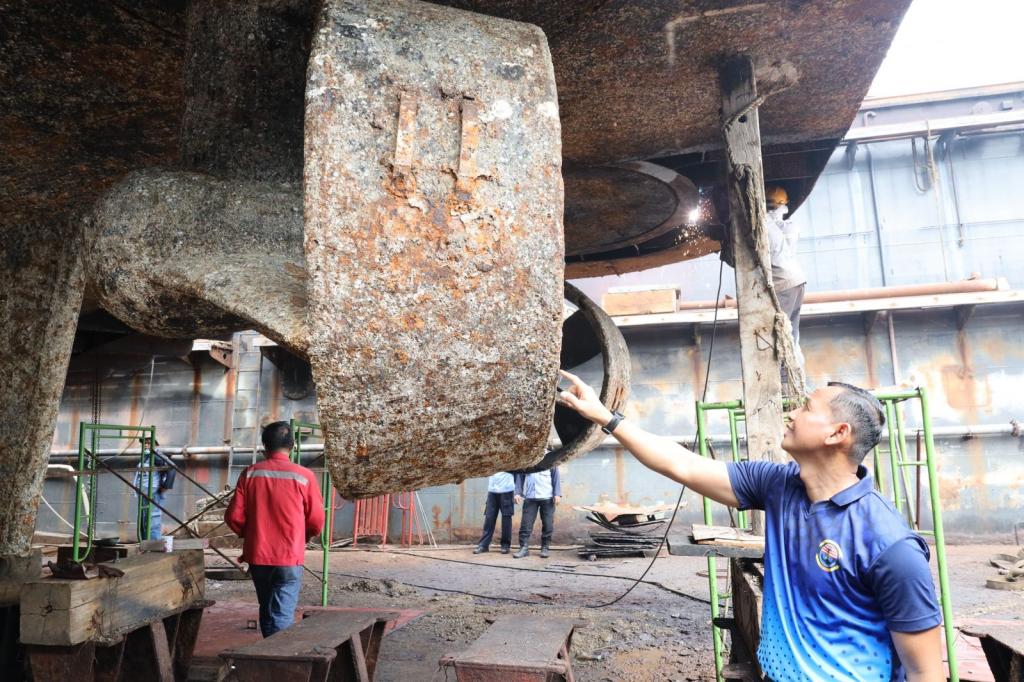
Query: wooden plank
(680, 543)
(762, 383)
(640, 302)
(702, 533)
(520, 642)
(63, 612)
(15, 571)
(163, 668)
(313, 638)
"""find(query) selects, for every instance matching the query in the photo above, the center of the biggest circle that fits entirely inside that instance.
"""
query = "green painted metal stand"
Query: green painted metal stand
(94, 435)
(302, 431)
(898, 464)
(732, 408)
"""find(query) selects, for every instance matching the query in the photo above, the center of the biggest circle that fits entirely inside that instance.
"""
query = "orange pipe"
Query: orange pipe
(962, 287)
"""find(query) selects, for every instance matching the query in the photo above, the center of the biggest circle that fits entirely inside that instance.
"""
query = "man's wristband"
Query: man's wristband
(615, 421)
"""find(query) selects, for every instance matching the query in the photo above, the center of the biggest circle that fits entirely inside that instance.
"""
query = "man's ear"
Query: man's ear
(840, 432)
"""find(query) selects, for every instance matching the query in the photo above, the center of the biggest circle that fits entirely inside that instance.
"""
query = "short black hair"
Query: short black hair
(277, 436)
(863, 412)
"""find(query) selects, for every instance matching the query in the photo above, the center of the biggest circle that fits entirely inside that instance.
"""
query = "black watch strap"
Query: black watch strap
(616, 420)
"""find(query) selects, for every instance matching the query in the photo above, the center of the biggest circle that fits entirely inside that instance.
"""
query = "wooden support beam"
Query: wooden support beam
(15, 571)
(762, 383)
(63, 612)
(747, 578)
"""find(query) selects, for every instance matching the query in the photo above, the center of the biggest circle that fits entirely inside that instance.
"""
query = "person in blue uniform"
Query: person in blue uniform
(163, 480)
(848, 594)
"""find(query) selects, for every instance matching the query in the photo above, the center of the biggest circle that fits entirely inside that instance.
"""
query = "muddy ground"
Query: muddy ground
(654, 633)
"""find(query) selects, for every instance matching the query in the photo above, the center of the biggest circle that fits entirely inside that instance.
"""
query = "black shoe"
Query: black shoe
(523, 551)
(480, 550)
(544, 552)
(506, 550)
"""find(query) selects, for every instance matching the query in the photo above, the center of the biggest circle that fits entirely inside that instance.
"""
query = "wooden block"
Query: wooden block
(15, 572)
(661, 300)
(747, 581)
(726, 536)
(64, 612)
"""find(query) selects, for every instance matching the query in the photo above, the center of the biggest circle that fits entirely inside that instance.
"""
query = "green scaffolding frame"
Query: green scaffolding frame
(300, 432)
(87, 467)
(898, 465)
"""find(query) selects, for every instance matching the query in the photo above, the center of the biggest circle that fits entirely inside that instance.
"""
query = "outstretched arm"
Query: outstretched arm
(705, 476)
(921, 654)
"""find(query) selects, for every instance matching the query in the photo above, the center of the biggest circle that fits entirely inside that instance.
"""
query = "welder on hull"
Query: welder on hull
(787, 276)
(847, 590)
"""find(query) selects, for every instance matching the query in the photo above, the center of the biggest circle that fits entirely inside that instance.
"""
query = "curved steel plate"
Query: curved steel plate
(580, 435)
(608, 207)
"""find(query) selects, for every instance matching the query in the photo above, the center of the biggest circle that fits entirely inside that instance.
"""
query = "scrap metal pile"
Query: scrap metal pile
(628, 531)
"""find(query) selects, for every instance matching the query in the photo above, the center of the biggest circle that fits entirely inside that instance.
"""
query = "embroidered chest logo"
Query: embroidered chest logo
(829, 555)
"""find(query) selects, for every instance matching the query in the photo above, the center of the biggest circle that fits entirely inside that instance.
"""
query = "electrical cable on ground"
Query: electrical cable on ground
(438, 589)
(512, 599)
(675, 511)
(653, 583)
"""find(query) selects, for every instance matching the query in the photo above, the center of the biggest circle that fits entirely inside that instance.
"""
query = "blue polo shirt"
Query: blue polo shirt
(839, 575)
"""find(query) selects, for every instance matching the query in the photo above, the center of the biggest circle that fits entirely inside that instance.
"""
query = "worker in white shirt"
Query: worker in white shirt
(787, 275)
(539, 492)
(500, 493)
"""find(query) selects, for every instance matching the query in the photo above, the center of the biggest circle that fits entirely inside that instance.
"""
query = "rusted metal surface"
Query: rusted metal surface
(39, 305)
(157, 650)
(326, 645)
(88, 93)
(217, 87)
(434, 296)
(608, 207)
(586, 333)
(520, 649)
(1003, 643)
(230, 258)
(615, 59)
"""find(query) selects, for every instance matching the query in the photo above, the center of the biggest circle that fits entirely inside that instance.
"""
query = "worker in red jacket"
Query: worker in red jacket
(276, 509)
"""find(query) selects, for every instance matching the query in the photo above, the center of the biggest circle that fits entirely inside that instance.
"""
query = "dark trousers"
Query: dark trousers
(277, 589)
(547, 521)
(506, 505)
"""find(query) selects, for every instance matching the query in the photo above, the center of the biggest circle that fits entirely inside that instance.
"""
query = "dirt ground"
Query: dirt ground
(654, 633)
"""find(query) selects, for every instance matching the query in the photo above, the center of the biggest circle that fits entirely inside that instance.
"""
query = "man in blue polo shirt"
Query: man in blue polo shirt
(847, 592)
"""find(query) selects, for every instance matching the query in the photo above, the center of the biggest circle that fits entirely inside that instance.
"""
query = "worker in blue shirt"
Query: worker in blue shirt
(847, 590)
(500, 492)
(163, 480)
(539, 491)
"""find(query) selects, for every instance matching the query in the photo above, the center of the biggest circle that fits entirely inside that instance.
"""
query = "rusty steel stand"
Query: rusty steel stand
(160, 650)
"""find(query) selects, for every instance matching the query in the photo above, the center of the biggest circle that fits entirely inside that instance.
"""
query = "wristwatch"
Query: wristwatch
(615, 421)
